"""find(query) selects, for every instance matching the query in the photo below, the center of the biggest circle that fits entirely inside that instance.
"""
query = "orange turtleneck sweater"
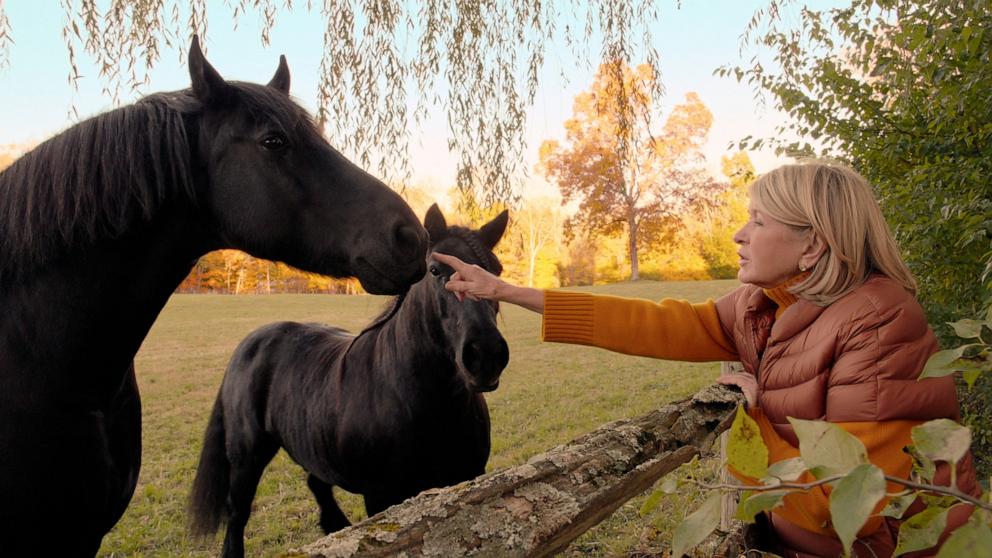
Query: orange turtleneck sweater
(678, 330)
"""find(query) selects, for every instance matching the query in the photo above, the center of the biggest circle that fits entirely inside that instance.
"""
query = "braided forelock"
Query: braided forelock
(485, 256)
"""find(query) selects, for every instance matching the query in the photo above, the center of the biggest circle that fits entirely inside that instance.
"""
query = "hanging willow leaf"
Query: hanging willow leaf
(5, 39)
(478, 61)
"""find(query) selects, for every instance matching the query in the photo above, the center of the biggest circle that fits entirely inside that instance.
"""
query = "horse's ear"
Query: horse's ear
(280, 81)
(435, 224)
(491, 232)
(207, 84)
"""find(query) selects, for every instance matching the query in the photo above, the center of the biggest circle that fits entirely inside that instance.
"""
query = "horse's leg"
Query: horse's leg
(123, 424)
(331, 517)
(68, 466)
(247, 467)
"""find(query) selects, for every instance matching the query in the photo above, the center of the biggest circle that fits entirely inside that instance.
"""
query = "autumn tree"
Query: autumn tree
(11, 152)
(629, 177)
(536, 230)
(720, 222)
(478, 61)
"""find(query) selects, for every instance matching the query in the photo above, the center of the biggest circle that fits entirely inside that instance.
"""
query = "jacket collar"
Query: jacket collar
(797, 317)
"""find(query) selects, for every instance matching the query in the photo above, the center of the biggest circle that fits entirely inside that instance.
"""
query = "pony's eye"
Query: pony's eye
(435, 271)
(274, 142)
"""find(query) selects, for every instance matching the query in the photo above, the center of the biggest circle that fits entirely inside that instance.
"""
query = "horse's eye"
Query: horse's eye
(274, 142)
(435, 271)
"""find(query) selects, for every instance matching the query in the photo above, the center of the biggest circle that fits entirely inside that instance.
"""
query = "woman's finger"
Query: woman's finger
(458, 286)
(455, 263)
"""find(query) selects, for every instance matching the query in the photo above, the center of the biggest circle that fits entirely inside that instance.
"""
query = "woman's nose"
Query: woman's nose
(739, 235)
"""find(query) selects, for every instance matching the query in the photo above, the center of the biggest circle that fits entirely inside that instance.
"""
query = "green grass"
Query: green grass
(549, 394)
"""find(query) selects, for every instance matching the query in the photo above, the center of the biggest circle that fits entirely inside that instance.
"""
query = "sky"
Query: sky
(36, 99)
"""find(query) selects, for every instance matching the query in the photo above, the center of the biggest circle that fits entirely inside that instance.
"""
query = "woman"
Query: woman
(826, 325)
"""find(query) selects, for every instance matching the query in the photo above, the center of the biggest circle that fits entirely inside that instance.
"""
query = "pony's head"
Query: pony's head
(477, 347)
(278, 190)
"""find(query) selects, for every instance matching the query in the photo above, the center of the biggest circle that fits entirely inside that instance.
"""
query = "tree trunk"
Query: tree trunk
(538, 508)
(635, 271)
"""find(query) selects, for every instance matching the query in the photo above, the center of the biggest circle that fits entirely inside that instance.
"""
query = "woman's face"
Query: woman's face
(769, 249)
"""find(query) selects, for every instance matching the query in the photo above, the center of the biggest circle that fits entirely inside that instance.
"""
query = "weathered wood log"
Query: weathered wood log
(538, 508)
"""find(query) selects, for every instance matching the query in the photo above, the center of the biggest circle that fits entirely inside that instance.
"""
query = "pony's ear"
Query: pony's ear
(435, 224)
(208, 86)
(491, 232)
(280, 81)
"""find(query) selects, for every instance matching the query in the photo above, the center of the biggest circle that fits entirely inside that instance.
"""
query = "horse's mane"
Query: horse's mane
(92, 181)
(98, 178)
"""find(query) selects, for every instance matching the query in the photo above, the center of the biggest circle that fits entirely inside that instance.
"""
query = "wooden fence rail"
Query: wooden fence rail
(538, 508)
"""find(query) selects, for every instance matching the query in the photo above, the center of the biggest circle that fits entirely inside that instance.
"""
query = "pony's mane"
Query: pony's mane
(93, 181)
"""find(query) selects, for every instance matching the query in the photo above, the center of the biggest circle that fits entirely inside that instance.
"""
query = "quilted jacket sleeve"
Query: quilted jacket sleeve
(880, 354)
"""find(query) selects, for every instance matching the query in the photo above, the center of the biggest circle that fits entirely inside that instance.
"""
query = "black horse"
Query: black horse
(386, 414)
(100, 224)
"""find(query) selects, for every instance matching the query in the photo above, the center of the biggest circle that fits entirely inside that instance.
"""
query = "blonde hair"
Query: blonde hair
(837, 204)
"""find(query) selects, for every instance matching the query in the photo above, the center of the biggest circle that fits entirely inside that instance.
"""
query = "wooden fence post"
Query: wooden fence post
(729, 503)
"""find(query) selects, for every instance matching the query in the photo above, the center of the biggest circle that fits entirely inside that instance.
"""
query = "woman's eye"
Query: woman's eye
(435, 271)
(274, 143)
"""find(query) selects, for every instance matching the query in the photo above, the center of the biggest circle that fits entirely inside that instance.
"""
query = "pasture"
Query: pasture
(549, 394)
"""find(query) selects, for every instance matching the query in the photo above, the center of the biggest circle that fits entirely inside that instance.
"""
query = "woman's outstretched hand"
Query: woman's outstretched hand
(747, 383)
(470, 281)
(474, 283)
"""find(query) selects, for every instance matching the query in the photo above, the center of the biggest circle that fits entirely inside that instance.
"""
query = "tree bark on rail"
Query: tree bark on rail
(538, 508)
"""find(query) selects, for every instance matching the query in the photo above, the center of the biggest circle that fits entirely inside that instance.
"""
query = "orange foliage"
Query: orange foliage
(234, 272)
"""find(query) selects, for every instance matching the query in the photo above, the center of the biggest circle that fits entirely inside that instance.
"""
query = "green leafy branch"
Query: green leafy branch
(838, 459)
(805, 487)
(970, 359)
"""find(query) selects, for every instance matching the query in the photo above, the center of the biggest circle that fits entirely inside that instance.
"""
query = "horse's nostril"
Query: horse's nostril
(408, 242)
(485, 359)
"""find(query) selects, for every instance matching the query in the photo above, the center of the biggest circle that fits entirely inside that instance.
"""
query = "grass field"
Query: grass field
(549, 394)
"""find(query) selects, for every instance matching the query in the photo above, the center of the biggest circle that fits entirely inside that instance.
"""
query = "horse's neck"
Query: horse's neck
(95, 305)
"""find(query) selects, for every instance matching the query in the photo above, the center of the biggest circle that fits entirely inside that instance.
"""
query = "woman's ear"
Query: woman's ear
(815, 248)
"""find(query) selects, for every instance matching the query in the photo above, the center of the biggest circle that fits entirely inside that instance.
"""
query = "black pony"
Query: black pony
(386, 414)
(100, 224)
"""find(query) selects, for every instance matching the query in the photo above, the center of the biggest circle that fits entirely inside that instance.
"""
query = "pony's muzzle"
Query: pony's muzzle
(484, 360)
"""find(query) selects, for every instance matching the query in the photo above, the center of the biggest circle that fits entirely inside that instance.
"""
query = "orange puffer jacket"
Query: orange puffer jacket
(854, 361)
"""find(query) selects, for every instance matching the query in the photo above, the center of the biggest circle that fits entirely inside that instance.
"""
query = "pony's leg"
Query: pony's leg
(375, 503)
(331, 517)
(246, 471)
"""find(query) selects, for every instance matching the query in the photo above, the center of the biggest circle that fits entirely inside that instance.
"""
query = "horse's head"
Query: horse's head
(478, 348)
(278, 190)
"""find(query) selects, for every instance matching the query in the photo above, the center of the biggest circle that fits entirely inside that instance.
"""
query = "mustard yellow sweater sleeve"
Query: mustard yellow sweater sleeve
(811, 510)
(670, 329)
